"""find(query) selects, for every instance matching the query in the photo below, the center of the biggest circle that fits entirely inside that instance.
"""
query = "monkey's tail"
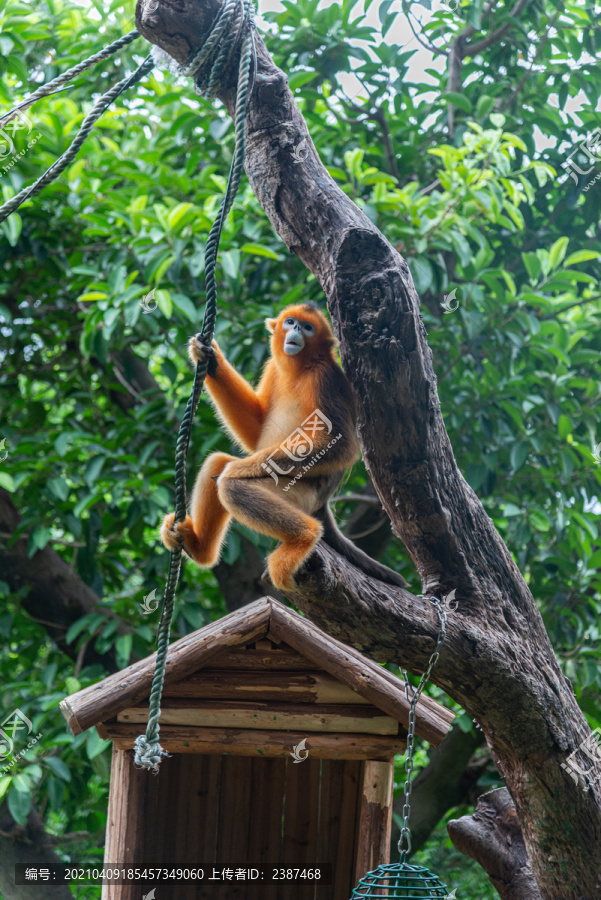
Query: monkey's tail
(334, 538)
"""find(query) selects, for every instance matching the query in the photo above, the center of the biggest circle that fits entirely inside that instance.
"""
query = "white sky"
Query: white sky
(423, 59)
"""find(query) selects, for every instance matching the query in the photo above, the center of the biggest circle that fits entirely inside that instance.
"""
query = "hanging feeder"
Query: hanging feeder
(400, 881)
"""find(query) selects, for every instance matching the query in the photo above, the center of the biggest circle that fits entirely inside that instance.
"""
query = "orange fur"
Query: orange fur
(291, 389)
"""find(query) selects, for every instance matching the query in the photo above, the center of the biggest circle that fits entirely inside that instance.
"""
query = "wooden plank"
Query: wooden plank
(268, 716)
(375, 817)
(102, 701)
(343, 864)
(291, 686)
(301, 812)
(301, 823)
(373, 682)
(247, 742)
(281, 659)
(125, 821)
(235, 820)
(332, 772)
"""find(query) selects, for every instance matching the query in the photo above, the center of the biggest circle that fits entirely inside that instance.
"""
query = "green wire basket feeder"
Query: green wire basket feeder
(400, 881)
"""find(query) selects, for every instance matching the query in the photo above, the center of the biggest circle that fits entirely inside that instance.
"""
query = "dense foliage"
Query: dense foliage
(486, 217)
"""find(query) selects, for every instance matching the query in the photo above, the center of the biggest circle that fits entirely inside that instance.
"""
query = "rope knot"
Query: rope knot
(148, 755)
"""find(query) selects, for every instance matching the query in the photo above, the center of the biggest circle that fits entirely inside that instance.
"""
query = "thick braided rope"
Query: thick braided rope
(69, 155)
(51, 86)
(148, 751)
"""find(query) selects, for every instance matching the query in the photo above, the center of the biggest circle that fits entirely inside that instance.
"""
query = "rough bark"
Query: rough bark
(26, 845)
(497, 661)
(493, 837)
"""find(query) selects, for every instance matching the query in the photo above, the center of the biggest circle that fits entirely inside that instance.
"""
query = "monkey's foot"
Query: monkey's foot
(288, 557)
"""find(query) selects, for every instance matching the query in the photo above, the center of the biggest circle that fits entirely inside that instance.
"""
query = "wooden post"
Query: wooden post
(375, 816)
(124, 825)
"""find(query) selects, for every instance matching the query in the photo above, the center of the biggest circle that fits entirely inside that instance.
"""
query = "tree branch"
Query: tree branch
(493, 837)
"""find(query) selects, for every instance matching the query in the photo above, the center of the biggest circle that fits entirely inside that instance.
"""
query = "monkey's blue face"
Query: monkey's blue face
(297, 332)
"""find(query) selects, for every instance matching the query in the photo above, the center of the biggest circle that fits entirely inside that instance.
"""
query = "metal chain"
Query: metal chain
(404, 845)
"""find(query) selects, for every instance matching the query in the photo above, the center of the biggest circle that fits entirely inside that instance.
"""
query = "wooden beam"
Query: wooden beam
(247, 658)
(293, 687)
(244, 742)
(269, 716)
(373, 682)
(375, 817)
(103, 700)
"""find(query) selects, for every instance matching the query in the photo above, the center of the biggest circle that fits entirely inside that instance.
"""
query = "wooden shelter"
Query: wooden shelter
(240, 694)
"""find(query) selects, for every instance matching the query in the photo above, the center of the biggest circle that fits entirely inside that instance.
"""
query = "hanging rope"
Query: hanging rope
(209, 63)
(50, 87)
(69, 155)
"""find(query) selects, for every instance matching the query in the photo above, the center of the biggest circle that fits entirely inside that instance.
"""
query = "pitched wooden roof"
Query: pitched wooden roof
(104, 700)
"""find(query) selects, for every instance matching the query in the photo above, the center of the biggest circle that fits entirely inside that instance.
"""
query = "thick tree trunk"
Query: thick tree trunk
(497, 661)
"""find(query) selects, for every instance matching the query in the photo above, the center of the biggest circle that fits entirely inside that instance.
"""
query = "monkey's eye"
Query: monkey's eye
(308, 329)
(289, 323)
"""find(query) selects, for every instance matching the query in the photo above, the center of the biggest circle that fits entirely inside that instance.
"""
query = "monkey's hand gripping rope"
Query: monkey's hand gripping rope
(232, 26)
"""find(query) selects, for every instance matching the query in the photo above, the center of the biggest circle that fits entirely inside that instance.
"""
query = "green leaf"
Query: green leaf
(185, 306)
(19, 805)
(581, 256)
(558, 251)
(58, 767)
(93, 469)
(95, 744)
(123, 646)
(519, 454)
(164, 303)
(459, 100)
(5, 782)
(59, 488)
(564, 426)
(259, 250)
(540, 520)
(7, 481)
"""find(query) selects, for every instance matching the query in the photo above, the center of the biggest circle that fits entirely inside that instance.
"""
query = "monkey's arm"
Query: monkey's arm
(236, 401)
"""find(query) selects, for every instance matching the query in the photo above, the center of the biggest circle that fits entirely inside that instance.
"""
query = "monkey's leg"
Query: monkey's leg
(204, 530)
(252, 502)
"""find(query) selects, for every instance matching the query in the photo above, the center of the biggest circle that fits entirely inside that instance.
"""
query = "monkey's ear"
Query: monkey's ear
(270, 325)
